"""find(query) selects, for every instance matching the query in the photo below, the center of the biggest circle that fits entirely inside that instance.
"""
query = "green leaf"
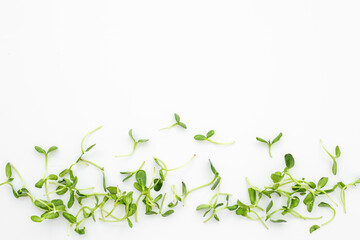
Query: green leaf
(168, 213)
(142, 140)
(278, 220)
(337, 151)
(252, 195)
(233, 207)
(184, 191)
(324, 204)
(137, 186)
(71, 199)
(183, 125)
(334, 168)
(210, 133)
(158, 197)
(43, 204)
(89, 148)
(53, 177)
(63, 173)
(289, 161)
(8, 170)
(141, 177)
(131, 135)
(177, 117)
(308, 199)
(36, 219)
(213, 168)
(322, 182)
(61, 190)
(132, 209)
(158, 184)
(129, 223)
(242, 205)
(112, 190)
(53, 148)
(71, 218)
(314, 228)
(294, 202)
(40, 183)
(50, 215)
(277, 177)
(261, 140)
(80, 231)
(277, 138)
(199, 137)
(202, 206)
(312, 185)
(128, 198)
(216, 183)
(269, 206)
(242, 211)
(40, 150)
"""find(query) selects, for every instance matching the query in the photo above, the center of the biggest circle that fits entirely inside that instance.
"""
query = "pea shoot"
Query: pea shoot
(209, 134)
(269, 142)
(136, 142)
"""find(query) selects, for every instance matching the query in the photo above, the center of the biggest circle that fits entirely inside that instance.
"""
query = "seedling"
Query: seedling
(177, 122)
(136, 142)
(337, 155)
(51, 177)
(270, 143)
(215, 181)
(209, 134)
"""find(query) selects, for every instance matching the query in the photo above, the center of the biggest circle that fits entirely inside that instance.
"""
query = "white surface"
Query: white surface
(242, 68)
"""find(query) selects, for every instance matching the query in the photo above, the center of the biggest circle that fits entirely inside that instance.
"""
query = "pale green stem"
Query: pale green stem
(168, 127)
(82, 141)
(218, 143)
(127, 155)
(207, 184)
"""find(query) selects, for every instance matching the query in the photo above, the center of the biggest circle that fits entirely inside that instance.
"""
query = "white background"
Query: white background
(242, 68)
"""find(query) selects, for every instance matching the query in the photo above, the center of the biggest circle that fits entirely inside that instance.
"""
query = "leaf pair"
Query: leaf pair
(269, 142)
(136, 142)
(42, 151)
(333, 157)
(177, 122)
(209, 134)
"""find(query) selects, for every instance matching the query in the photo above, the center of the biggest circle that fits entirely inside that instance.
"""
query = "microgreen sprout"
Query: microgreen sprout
(177, 122)
(215, 181)
(337, 155)
(209, 134)
(136, 142)
(270, 143)
(51, 177)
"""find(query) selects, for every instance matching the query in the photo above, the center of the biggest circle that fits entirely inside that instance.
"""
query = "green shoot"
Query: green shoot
(45, 179)
(177, 123)
(337, 155)
(136, 142)
(270, 143)
(209, 134)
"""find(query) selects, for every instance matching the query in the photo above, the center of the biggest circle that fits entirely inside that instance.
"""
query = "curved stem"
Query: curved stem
(219, 143)
(127, 155)
(168, 127)
(18, 173)
(334, 214)
(207, 184)
(82, 141)
(258, 217)
(172, 169)
(296, 214)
